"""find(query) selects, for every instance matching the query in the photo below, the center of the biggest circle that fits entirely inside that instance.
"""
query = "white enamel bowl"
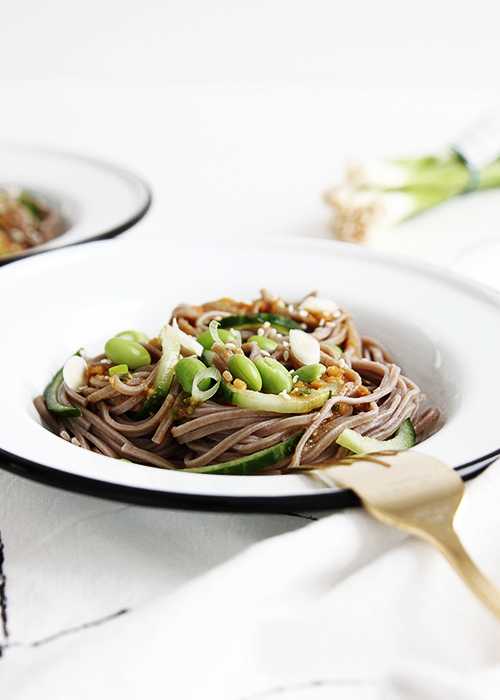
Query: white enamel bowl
(442, 329)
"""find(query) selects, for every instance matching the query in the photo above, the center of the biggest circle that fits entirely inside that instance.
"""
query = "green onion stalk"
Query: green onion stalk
(377, 195)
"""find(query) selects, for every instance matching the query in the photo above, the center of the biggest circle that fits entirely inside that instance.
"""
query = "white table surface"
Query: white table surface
(239, 116)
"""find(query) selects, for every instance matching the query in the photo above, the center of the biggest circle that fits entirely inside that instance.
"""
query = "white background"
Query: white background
(241, 115)
(436, 45)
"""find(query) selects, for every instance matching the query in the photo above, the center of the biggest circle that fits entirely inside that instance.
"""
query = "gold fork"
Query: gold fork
(419, 494)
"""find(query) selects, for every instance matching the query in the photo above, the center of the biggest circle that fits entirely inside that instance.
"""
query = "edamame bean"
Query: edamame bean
(275, 377)
(186, 370)
(264, 343)
(127, 352)
(243, 368)
(133, 335)
(309, 373)
(207, 341)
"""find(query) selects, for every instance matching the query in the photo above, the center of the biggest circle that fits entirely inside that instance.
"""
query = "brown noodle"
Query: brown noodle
(375, 399)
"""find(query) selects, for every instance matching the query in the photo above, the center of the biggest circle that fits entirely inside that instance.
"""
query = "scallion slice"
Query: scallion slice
(207, 373)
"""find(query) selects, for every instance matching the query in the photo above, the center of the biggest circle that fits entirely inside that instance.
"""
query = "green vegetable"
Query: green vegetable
(207, 357)
(171, 348)
(28, 201)
(309, 373)
(275, 377)
(243, 368)
(206, 375)
(381, 194)
(283, 324)
(133, 335)
(51, 400)
(186, 370)
(336, 348)
(403, 439)
(118, 369)
(129, 352)
(277, 403)
(251, 464)
(206, 340)
(264, 343)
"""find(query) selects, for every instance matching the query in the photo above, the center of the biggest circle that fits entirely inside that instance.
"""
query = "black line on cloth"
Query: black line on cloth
(3, 594)
(63, 633)
(327, 683)
(95, 623)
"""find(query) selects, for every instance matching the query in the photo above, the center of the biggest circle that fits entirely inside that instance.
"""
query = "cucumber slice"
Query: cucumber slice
(51, 400)
(283, 324)
(171, 348)
(403, 439)
(251, 464)
(276, 403)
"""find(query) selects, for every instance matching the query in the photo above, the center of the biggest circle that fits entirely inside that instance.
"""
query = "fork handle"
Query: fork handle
(450, 545)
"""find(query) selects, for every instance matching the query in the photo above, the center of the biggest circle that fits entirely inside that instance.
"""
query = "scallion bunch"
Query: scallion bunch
(380, 194)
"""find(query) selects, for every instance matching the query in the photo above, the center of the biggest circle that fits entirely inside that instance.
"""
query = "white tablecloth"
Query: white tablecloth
(243, 131)
(123, 601)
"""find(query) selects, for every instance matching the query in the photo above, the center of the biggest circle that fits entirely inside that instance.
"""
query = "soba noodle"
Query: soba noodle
(374, 397)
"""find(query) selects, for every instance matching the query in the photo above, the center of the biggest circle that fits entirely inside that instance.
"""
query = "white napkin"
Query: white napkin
(344, 608)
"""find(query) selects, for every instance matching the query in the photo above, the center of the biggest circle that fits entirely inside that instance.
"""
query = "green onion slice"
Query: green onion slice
(212, 327)
(207, 373)
(118, 369)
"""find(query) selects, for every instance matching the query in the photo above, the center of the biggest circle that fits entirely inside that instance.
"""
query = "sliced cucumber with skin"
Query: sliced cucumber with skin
(207, 357)
(252, 464)
(403, 439)
(51, 400)
(171, 348)
(283, 324)
(277, 403)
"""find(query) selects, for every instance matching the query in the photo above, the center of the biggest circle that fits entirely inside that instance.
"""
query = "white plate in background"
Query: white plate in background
(96, 199)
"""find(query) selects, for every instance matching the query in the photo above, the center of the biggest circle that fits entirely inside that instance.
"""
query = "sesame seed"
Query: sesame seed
(266, 324)
(266, 353)
(260, 331)
(286, 355)
(303, 313)
(321, 322)
(284, 394)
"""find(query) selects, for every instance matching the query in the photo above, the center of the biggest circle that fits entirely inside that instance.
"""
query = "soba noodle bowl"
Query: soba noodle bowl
(26, 221)
(127, 413)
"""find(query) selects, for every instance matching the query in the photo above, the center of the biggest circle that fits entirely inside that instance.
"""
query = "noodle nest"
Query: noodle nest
(372, 396)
